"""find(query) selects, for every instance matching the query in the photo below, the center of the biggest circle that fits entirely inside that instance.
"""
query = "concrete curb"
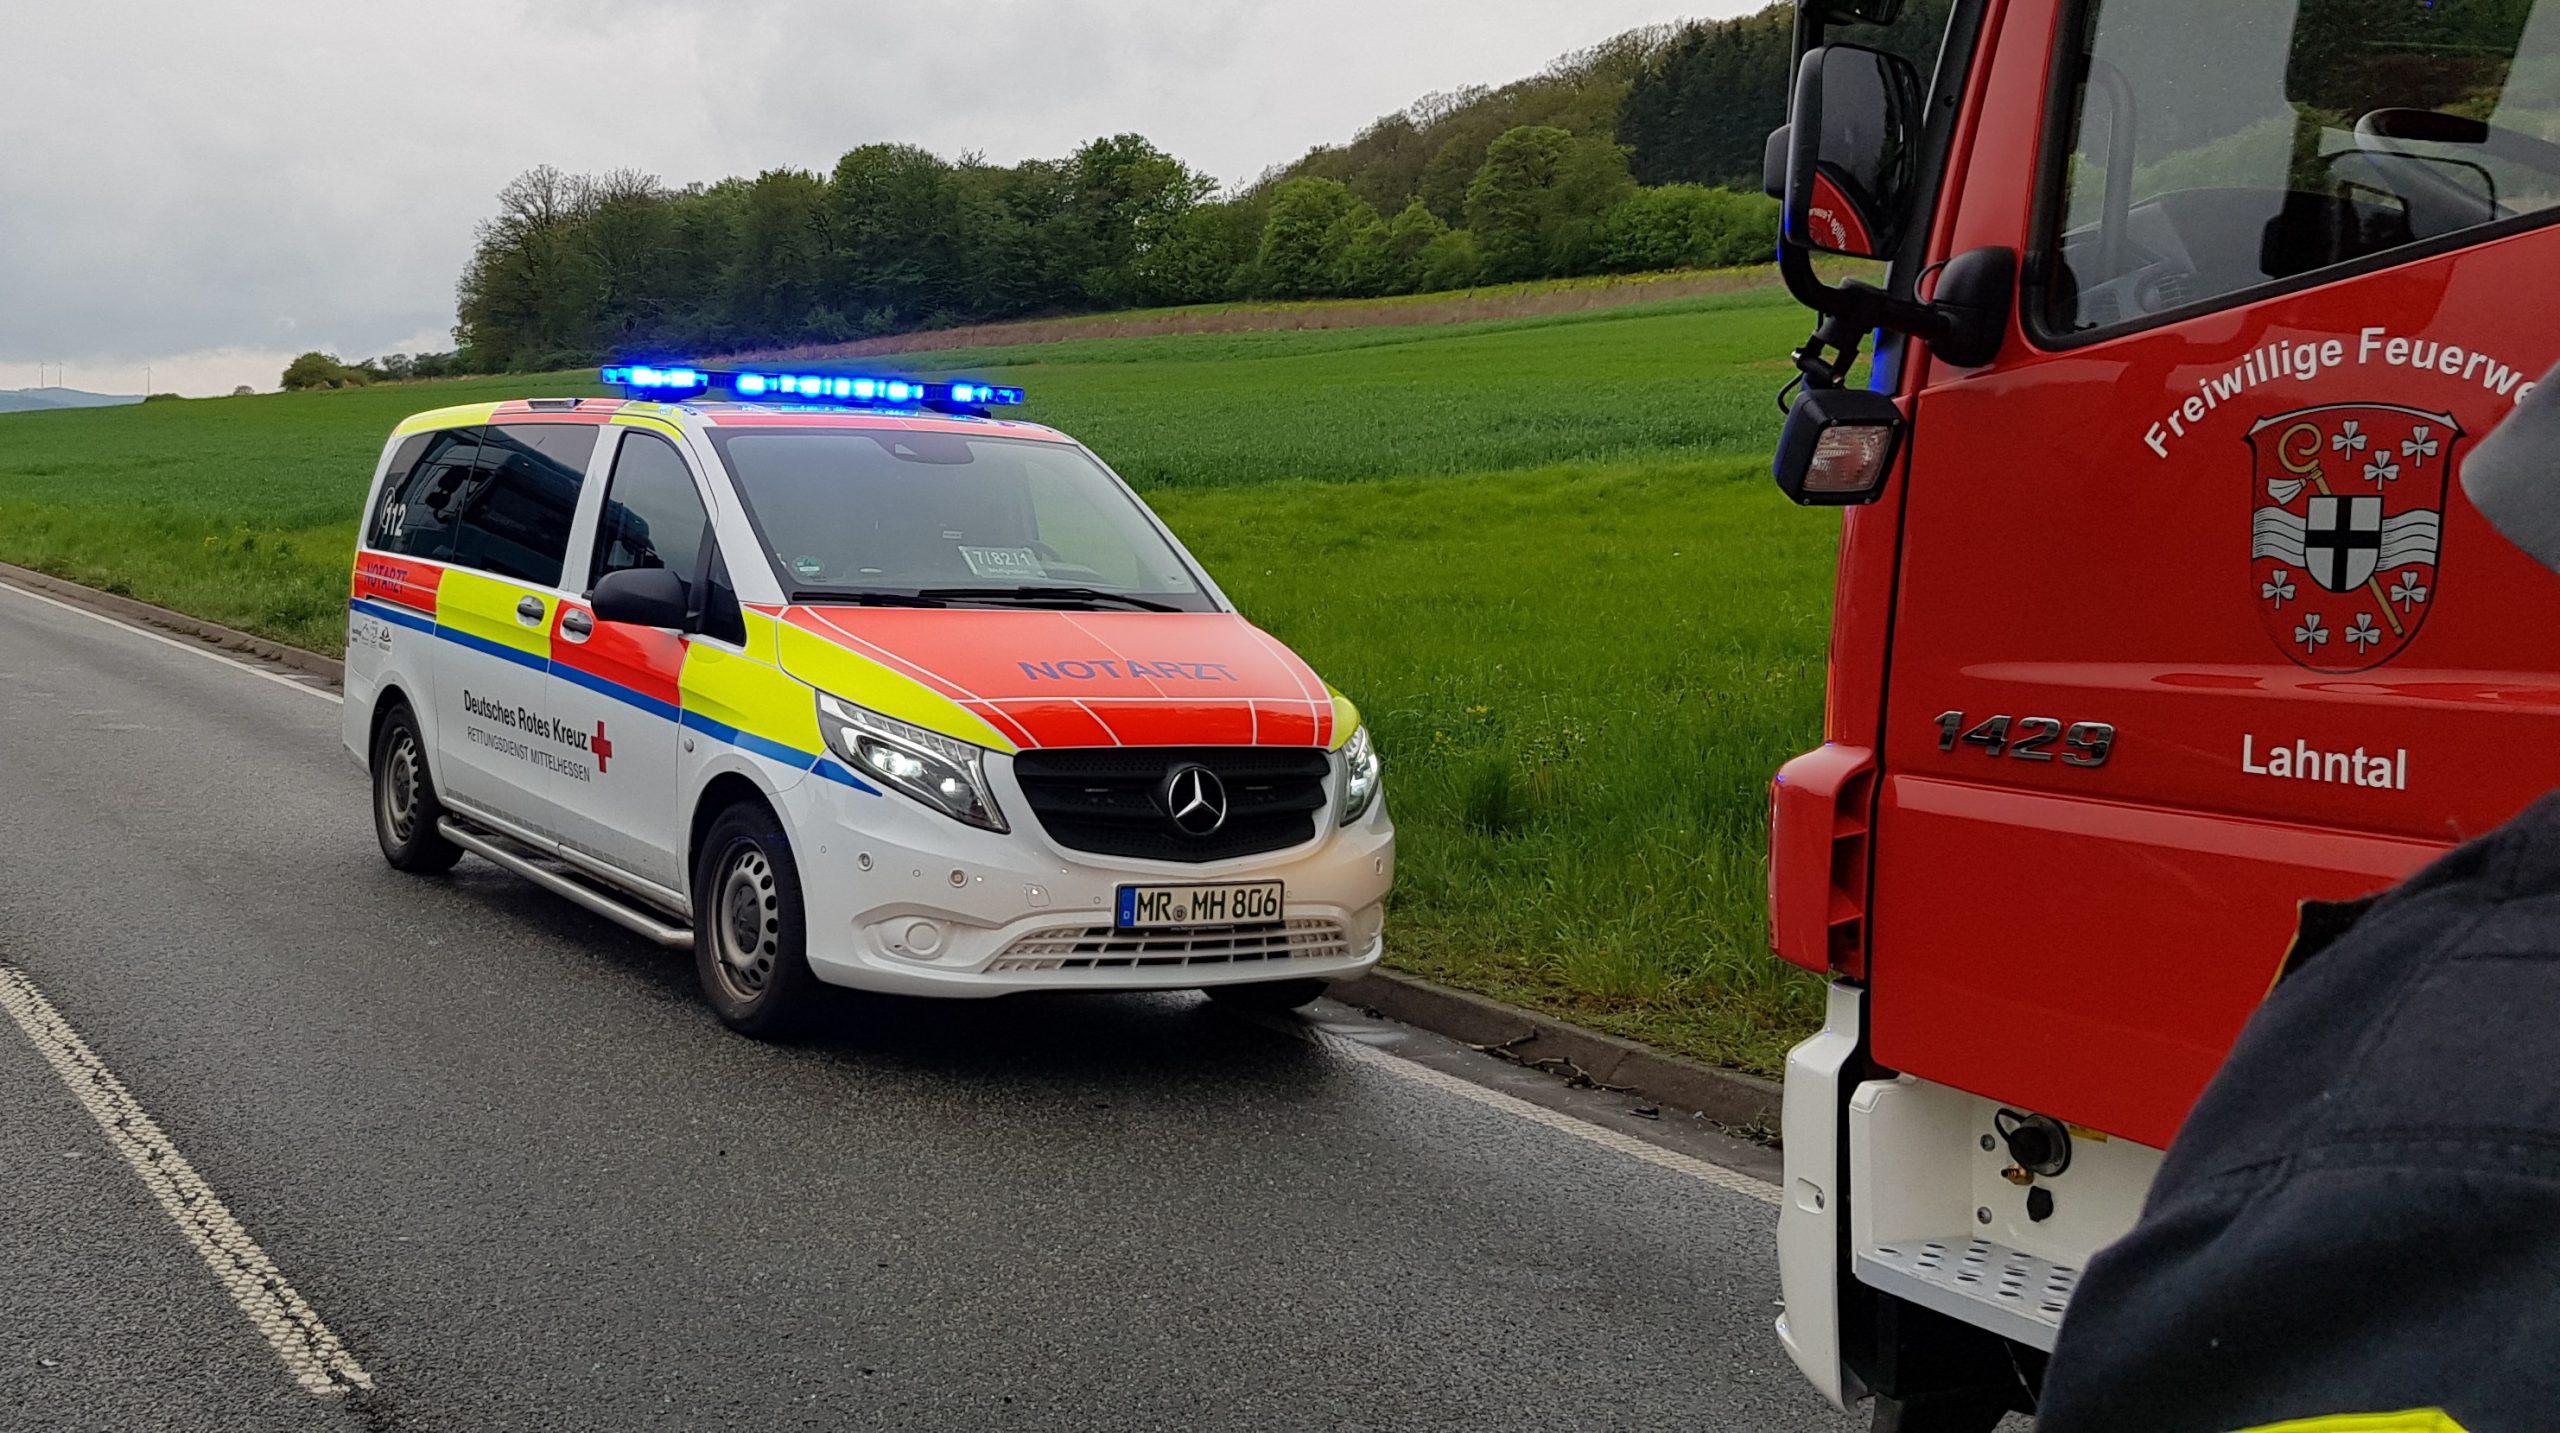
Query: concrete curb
(1729, 1097)
(210, 633)
(1740, 1101)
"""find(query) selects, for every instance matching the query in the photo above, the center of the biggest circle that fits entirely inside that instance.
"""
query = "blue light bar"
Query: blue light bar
(656, 382)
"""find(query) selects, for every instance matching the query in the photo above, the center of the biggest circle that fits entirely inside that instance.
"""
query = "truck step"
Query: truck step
(1975, 1281)
(559, 879)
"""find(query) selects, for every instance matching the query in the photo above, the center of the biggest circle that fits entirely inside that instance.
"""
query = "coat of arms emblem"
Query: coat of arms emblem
(2348, 524)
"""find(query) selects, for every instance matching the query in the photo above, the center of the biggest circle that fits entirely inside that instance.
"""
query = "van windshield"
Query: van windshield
(884, 515)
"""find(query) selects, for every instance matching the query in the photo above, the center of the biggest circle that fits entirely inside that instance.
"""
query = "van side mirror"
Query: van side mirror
(1853, 142)
(643, 597)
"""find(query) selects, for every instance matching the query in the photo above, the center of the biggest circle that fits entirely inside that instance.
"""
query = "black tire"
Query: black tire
(405, 808)
(1268, 997)
(750, 934)
(1972, 1412)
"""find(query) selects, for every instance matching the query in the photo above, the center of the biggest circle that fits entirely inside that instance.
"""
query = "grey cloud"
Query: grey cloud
(186, 177)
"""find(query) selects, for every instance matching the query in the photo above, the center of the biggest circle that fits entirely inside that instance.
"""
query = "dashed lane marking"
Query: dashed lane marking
(165, 640)
(1730, 1181)
(311, 1353)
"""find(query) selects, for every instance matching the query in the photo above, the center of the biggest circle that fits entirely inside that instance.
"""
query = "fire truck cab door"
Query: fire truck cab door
(2193, 621)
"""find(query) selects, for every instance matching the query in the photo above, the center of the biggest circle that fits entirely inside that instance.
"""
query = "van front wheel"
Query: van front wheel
(750, 937)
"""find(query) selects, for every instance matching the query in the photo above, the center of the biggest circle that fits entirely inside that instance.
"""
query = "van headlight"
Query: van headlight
(1359, 776)
(945, 773)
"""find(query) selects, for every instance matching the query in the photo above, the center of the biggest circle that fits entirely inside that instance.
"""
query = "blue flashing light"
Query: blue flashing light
(649, 380)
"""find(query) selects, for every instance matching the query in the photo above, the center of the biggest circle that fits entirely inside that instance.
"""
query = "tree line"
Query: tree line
(1639, 154)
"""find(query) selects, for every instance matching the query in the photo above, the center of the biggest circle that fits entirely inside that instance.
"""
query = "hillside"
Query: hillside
(28, 400)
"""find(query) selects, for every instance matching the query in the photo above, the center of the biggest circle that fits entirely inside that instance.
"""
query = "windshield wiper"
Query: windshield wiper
(1048, 596)
(866, 597)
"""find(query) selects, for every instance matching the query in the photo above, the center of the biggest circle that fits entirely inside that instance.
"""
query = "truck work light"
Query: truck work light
(1838, 446)
(647, 381)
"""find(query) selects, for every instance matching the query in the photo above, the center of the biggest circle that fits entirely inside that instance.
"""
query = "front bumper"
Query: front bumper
(904, 900)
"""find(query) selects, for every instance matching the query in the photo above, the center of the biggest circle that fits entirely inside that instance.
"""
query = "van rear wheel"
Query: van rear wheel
(405, 808)
(750, 937)
(1268, 997)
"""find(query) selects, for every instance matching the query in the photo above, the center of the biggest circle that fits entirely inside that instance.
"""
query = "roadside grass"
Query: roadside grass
(1579, 679)
(1541, 553)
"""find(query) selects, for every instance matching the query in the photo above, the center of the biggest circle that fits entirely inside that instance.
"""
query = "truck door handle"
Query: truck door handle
(576, 625)
(529, 610)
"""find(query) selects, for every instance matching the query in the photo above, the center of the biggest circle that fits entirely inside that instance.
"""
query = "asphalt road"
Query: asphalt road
(530, 1183)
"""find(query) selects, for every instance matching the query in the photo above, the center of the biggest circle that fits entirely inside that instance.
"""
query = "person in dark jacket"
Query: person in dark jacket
(2358, 1228)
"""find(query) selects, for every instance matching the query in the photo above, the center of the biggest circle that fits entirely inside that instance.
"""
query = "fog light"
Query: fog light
(923, 939)
(1838, 446)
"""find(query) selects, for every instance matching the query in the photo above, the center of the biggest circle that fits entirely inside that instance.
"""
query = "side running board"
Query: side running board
(612, 908)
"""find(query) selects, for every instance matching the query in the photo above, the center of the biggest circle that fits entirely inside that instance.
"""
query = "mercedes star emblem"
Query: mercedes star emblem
(1196, 800)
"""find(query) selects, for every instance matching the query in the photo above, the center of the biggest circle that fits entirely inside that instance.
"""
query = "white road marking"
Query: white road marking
(168, 641)
(311, 1353)
(1412, 1072)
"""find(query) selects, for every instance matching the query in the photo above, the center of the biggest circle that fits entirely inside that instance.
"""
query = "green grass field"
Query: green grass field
(1543, 555)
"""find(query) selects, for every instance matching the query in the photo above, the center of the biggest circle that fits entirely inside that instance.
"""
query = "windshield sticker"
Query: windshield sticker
(1091, 671)
(1004, 562)
(807, 566)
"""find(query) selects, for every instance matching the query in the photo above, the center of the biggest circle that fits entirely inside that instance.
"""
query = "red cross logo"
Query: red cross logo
(602, 748)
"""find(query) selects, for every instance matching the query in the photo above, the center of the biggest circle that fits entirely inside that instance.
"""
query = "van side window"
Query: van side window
(418, 511)
(653, 514)
(2217, 147)
(515, 521)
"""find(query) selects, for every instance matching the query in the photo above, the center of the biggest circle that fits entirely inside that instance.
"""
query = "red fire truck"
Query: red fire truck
(2160, 611)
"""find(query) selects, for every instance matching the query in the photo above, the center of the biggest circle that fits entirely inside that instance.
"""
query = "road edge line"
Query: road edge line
(80, 609)
(1744, 1104)
(312, 1354)
(132, 611)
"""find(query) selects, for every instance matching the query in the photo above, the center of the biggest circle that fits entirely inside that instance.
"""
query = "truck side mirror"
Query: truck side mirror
(643, 597)
(1853, 138)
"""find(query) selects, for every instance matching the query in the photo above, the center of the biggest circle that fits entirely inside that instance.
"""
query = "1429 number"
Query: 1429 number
(2087, 743)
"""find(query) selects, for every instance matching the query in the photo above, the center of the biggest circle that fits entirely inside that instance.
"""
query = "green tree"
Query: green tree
(1680, 226)
(1538, 204)
(777, 279)
(1408, 237)
(1302, 240)
(893, 227)
(1195, 257)
(1366, 266)
(1451, 261)
(321, 370)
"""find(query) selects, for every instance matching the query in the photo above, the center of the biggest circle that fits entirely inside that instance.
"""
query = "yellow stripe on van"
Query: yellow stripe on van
(738, 690)
(625, 418)
(477, 605)
(1346, 719)
(867, 683)
(461, 416)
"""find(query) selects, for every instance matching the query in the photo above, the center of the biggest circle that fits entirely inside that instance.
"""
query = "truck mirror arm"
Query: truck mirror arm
(1964, 323)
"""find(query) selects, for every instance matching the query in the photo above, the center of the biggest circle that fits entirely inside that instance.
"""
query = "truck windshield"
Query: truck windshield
(893, 515)
(2220, 146)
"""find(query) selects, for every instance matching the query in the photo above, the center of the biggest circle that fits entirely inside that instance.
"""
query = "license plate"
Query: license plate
(1238, 903)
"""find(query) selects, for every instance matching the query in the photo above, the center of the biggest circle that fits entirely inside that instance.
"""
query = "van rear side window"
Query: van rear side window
(515, 521)
(2218, 148)
(421, 506)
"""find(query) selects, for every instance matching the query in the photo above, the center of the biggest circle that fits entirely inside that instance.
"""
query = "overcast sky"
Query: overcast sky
(211, 186)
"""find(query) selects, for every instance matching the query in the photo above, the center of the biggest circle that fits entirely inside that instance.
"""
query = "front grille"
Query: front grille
(1103, 948)
(1109, 800)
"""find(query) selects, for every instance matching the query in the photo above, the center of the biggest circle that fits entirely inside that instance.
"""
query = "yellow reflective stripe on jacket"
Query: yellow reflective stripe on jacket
(484, 608)
(461, 416)
(864, 682)
(2423, 1420)
(1346, 720)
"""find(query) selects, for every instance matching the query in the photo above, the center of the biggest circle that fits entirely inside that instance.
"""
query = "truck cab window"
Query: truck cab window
(2219, 148)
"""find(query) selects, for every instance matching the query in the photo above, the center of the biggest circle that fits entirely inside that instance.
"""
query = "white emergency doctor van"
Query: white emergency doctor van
(844, 680)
